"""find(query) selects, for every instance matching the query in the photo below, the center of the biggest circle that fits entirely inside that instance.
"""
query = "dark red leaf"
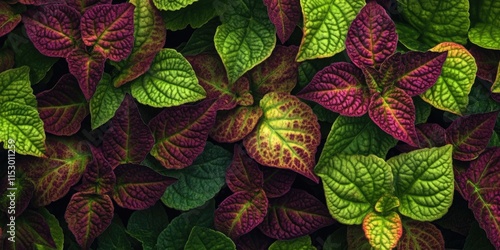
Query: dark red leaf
(243, 174)
(372, 36)
(7, 59)
(8, 19)
(420, 235)
(16, 191)
(430, 135)
(285, 15)
(487, 62)
(138, 187)
(82, 5)
(30, 229)
(254, 240)
(470, 135)
(128, 140)
(99, 177)
(277, 182)
(87, 68)
(63, 107)
(234, 125)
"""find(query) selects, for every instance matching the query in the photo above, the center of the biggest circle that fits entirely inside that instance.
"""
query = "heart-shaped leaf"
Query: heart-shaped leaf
(31, 229)
(234, 125)
(138, 187)
(277, 182)
(243, 174)
(285, 15)
(8, 19)
(128, 140)
(371, 37)
(295, 214)
(244, 23)
(145, 225)
(320, 40)
(241, 212)
(88, 215)
(63, 107)
(87, 68)
(54, 29)
(181, 133)
(423, 181)
(110, 29)
(422, 234)
(170, 81)
(105, 102)
(287, 135)
(470, 135)
(383, 231)
(205, 238)
(340, 88)
(149, 39)
(98, 177)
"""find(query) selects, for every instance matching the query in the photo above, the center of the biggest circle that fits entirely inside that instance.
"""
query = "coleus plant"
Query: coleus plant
(134, 141)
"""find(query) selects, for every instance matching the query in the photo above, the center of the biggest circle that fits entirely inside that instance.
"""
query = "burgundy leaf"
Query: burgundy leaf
(254, 240)
(15, 196)
(99, 177)
(234, 125)
(54, 29)
(213, 78)
(430, 135)
(38, 2)
(31, 228)
(487, 62)
(138, 187)
(419, 71)
(88, 69)
(420, 235)
(295, 214)
(372, 37)
(479, 185)
(394, 113)
(128, 140)
(110, 29)
(88, 215)
(339, 88)
(470, 135)
(356, 238)
(243, 174)
(241, 212)
(63, 107)
(82, 5)
(285, 15)
(277, 182)
(278, 73)
(7, 59)
(181, 133)
(8, 19)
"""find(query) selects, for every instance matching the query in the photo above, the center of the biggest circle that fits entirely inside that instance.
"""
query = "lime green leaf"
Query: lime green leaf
(436, 20)
(204, 238)
(105, 101)
(15, 87)
(383, 232)
(353, 184)
(325, 26)
(170, 81)
(172, 4)
(195, 15)
(386, 203)
(485, 32)
(495, 88)
(245, 38)
(424, 183)
(301, 243)
(451, 91)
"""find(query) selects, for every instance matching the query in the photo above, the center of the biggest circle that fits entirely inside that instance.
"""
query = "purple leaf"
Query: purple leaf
(88, 69)
(181, 133)
(88, 215)
(420, 235)
(82, 5)
(99, 177)
(487, 62)
(128, 140)
(277, 182)
(54, 29)
(479, 185)
(63, 107)
(285, 15)
(138, 187)
(295, 214)
(372, 37)
(31, 228)
(430, 135)
(339, 88)
(110, 29)
(243, 174)
(394, 113)
(419, 71)
(8, 20)
(234, 125)
(241, 212)
(38, 2)
(254, 240)
(470, 135)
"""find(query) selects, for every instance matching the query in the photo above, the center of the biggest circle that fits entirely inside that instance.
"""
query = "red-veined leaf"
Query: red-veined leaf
(8, 19)
(82, 5)
(138, 187)
(277, 182)
(241, 212)
(128, 140)
(63, 107)
(99, 177)
(87, 68)
(423, 235)
(234, 125)
(243, 174)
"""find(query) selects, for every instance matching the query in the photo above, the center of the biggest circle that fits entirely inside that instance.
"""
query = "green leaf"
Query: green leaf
(423, 181)
(245, 38)
(356, 135)
(170, 81)
(476, 239)
(105, 101)
(195, 15)
(205, 238)
(386, 203)
(199, 182)
(114, 237)
(55, 230)
(15, 87)
(353, 184)
(301, 243)
(452, 88)
(146, 225)
(383, 232)
(485, 32)
(422, 110)
(325, 26)
(436, 21)
(172, 4)
(202, 39)
(337, 240)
